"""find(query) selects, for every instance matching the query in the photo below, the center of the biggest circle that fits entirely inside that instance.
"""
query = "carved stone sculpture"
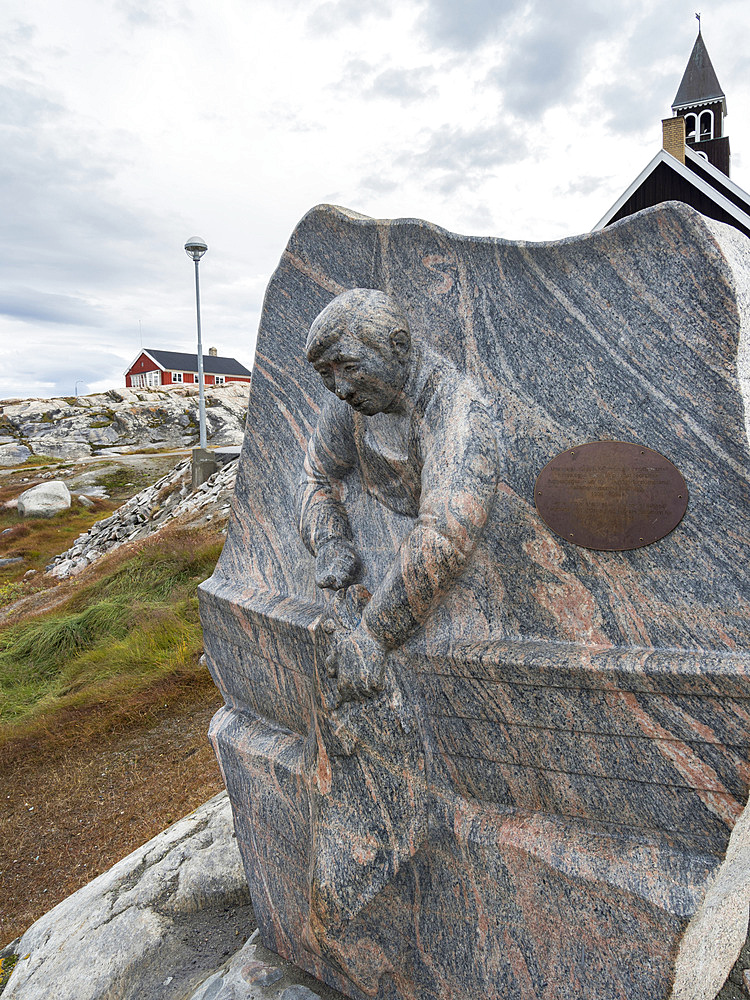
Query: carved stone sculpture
(422, 443)
(466, 757)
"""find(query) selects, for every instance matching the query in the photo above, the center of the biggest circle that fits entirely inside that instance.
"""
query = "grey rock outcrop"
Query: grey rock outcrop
(12, 453)
(121, 419)
(44, 500)
(130, 934)
(148, 511)
(254, 973)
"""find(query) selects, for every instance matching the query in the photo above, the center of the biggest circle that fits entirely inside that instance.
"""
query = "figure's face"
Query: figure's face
(369, 380)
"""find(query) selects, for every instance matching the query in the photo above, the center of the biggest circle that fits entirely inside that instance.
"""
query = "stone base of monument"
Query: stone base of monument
(204, 466)
(502, 890)
(187, 885)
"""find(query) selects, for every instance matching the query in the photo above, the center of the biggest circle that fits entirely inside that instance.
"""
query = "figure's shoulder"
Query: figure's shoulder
(334, 424)
(450, 392)
(335, 412)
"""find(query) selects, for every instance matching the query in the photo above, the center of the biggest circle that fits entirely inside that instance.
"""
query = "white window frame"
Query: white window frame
(219, 379)
(694, 126)
(710, 113)
(177, 377)
(146, 380)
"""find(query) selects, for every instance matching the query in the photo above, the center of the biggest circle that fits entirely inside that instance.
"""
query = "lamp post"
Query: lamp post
(195, 248)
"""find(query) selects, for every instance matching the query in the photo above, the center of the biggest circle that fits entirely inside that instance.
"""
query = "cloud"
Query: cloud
(334, 14)
(287, 119)
(633, 106)
(20, 109)
(404, 85)
(550, 55)
(450, 158)
(72, 241)
(15, 42)
(56, 374)
(455, 155)
(31, 305)
(60, 212)
(371, 81)
(584, 185)
(462, 27)
(156, 13)
(378, 184)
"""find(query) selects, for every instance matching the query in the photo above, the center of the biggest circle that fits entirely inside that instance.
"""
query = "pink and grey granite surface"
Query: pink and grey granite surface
(557, 808)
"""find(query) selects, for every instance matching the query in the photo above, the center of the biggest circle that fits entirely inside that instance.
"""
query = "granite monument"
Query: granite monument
(466, 755)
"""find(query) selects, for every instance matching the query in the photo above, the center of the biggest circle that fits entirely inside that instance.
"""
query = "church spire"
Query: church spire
(702, 103)
(699, 85)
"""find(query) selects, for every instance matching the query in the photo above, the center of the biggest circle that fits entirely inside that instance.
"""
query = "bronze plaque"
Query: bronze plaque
(611, 495)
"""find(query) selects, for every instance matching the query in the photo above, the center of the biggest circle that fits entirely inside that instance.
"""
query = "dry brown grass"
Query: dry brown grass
(37, 540)
(101, 782)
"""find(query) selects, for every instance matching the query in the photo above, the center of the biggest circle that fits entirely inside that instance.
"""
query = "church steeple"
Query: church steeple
(702, 103)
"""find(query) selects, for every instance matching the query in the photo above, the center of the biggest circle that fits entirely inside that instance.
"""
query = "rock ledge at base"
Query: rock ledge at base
(153, 926)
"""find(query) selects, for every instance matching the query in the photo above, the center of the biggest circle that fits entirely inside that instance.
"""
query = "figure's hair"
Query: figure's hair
(366, 314)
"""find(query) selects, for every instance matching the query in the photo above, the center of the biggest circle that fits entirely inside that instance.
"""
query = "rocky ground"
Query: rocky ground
(149, 510)
(171, 921)
(120, 420)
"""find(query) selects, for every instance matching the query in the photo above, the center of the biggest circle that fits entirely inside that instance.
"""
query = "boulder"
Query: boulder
(14, 454)
(44, 500)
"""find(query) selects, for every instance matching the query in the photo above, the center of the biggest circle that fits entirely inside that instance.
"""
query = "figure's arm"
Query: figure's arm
(323, 523)
(459, 479)
(460, 474)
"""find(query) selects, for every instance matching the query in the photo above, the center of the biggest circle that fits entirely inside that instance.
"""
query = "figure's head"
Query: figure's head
(360, 346)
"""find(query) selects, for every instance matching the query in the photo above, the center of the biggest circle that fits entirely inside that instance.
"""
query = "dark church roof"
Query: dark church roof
(696, 182)
(177, 361)
(699, 82)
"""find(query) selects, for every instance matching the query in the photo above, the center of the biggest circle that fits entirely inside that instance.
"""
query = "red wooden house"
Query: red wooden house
(165, 368)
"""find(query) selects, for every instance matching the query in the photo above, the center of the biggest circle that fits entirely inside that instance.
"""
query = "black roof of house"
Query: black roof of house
(177, 361)
(699, 82)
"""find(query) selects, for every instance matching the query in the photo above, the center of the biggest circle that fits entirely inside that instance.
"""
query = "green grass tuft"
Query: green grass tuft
(116, 635)
(7, 965)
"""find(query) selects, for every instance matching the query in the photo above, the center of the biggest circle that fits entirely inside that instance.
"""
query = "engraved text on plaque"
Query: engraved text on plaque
(611, 495)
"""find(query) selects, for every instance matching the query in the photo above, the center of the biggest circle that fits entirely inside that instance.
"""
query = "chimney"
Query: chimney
(673, 136)
(214, 353)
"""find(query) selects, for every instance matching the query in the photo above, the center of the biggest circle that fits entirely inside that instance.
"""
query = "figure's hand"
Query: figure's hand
(336, 564)
(358, 662)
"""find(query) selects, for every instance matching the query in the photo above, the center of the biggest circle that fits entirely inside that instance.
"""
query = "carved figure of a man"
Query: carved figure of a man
(424, 444)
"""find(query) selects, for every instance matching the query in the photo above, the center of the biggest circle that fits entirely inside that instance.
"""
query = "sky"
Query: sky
(128, 127)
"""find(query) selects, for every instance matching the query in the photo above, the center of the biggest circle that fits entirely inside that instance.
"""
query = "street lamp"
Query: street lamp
(195, 248)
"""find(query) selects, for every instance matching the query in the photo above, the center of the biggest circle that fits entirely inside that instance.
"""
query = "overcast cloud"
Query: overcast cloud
(127, 127)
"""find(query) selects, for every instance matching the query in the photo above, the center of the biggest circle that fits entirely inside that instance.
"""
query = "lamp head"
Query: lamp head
(196, 247)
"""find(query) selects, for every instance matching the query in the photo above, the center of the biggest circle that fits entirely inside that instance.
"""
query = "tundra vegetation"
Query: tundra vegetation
(104, 702)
